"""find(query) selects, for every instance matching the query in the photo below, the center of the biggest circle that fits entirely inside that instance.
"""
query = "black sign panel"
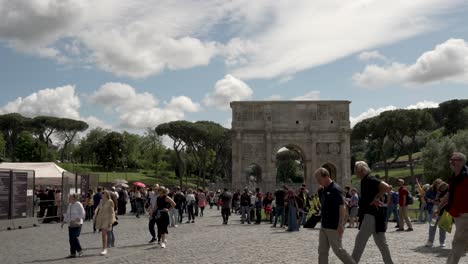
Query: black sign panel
(5, 182)
(20, 188)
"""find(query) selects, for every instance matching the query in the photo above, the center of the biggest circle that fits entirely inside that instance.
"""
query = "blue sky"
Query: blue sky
(135, 64)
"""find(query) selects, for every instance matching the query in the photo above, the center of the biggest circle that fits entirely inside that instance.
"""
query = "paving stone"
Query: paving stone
(207, 241)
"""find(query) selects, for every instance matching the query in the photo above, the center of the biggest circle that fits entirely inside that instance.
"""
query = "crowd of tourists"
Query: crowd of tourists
(368, 209)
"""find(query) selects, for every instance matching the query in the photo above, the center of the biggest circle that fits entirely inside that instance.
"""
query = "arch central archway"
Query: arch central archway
(290, 165)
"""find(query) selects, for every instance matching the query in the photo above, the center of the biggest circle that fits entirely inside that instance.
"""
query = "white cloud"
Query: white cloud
(375, 112)
(307, 33)
(94, 122)
(370, 113)
(269, 39)
(423, 104)
(227, 90)
(140, 110)
(371, 55)
(59, 102)
(312, 95)
(183, 103)
(447, 62)
(228, 123)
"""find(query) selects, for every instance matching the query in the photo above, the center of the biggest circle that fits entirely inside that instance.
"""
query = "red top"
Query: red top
(402, 192)
(459, 203)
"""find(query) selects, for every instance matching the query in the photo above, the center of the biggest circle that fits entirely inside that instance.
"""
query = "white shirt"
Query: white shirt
(153, 198)
(74, 211)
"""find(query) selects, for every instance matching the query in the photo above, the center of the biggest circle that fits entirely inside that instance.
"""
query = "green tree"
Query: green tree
(45, 126)
(453, 115)
(110, 150)
(178, 132)
(2, 147)
(12, 125)
(67, 129)
(408, 130)
(152, 150)
(87, 145)
(25, 147)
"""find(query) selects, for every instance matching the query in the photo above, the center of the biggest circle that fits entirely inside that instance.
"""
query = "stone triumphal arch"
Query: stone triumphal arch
(318, 130)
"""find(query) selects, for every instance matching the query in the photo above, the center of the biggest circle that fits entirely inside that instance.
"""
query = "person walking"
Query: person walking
(152, 196)
(457, 205)
(245, 205)
(110, 231)
(353, 207)
(163, 204)
(104, 217)
(258, 206)
(392, 207)
(371, 215)
(403, 196)
(279, 211)
(333, 219)
(293, 211)
(226, 199)
(96, 200)
(191, 204)
(442, 190)
(201, 201)
(74, 218)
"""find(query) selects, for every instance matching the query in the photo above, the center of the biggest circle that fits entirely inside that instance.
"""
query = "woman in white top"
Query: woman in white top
(74, 218)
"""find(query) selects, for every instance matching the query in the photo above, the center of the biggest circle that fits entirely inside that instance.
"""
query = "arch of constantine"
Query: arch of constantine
(318, 130)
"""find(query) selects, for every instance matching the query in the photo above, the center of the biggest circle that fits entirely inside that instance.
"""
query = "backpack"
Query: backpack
(409, 199)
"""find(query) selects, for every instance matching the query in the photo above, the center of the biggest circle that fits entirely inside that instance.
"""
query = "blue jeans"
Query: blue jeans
(245, 210)
(279, 210)
(73, 234)
(432, 231)
(393, 209)
(110, 237)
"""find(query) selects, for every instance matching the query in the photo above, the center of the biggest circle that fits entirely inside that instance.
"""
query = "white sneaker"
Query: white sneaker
(163, 245)
(442, 245)
(429, 244)
(104, 252)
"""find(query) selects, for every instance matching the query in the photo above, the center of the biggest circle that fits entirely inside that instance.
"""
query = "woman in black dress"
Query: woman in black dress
(163, 204)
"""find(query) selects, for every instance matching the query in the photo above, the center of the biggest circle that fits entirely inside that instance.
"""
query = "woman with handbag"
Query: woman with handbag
(104, 217)
(110, 231)
(164, 203)
(74, 218)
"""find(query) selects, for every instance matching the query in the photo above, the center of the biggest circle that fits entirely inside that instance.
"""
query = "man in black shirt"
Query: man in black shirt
(333, 219)
(245, 205)
(226, 198)
(371, 215)
(279, 199)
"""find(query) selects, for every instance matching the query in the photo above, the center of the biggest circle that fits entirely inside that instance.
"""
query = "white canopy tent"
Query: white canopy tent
(46, 173)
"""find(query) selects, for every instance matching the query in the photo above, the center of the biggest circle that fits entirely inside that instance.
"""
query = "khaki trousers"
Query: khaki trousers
(329, 238)
(404, 217)
(460, 239)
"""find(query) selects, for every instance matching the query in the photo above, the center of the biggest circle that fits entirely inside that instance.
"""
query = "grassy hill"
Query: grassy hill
(149, 177)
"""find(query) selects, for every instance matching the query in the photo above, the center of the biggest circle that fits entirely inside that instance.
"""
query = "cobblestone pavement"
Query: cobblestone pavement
(206, 241)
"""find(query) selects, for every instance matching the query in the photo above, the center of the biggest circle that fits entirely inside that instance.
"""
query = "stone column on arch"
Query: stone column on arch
(270, 175)
(345, 152)
(237, 160)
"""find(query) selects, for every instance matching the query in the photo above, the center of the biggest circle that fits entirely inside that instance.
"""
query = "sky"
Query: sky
(130, 65)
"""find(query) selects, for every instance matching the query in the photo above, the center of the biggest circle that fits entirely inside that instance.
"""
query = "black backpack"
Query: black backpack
(409, 199)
